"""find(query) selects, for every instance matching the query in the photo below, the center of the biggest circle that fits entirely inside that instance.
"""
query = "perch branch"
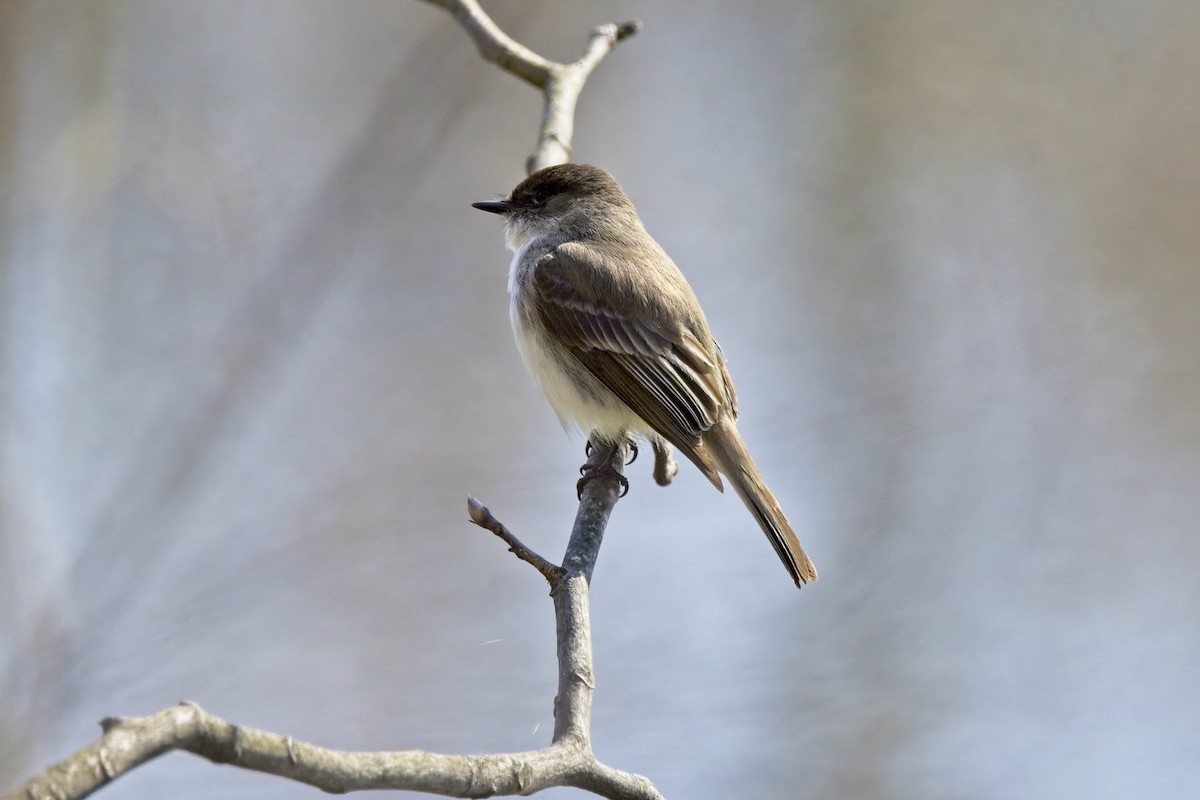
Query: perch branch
(559, 83)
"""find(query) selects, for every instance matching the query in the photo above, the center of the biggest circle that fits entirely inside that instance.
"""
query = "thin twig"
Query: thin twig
(482, 516)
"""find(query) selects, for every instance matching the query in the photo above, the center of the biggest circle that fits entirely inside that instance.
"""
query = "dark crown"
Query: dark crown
(579, 180)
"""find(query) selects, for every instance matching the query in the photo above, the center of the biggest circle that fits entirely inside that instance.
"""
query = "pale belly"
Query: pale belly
(579, 399)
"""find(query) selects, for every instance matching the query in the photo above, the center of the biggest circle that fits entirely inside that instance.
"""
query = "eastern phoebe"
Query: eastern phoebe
(616, 339)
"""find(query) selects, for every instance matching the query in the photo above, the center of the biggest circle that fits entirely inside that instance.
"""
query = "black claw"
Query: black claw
(588, 449)
(633, 452)
(588, 472)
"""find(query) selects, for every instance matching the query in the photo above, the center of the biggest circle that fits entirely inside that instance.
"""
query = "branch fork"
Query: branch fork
(559, 83)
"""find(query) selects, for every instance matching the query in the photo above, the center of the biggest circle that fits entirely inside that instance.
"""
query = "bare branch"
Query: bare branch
(482, 516)
(596, 502)
(561, 84)
(131, 742)
(576, 680)
(495, 45)
(562, 91)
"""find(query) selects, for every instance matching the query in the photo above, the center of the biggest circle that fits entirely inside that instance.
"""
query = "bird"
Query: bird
(616, 339)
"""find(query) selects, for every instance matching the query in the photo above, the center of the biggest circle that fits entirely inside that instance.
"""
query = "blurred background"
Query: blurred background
(255, 354)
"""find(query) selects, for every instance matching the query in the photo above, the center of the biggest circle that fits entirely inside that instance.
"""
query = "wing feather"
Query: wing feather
(667, 376)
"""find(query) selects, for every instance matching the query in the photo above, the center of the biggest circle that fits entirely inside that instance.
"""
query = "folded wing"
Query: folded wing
(667, 375)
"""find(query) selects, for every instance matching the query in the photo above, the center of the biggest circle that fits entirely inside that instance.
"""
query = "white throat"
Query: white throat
(519, 232)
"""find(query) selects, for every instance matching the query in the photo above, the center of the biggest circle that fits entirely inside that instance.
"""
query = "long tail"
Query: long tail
(734, 461)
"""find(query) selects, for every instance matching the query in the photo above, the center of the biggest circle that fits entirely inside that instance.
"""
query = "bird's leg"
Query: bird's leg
(604, 469)
(665, 465)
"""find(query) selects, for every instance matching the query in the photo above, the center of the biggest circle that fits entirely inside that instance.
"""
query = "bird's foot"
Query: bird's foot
(604, 468)
(590, 448)
(665, 465)
(590, 472)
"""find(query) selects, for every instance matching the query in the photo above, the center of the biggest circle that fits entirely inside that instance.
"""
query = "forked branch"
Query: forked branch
(560, 84)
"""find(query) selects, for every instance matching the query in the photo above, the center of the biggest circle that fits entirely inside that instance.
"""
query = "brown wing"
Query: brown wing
(663, 372)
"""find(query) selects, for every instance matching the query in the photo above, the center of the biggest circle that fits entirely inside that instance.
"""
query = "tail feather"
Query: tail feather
(734, 461)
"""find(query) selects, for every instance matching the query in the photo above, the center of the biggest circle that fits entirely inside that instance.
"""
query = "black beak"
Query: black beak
(494, 206)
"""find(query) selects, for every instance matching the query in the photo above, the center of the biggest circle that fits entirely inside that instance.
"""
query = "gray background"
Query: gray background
(255, 353)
